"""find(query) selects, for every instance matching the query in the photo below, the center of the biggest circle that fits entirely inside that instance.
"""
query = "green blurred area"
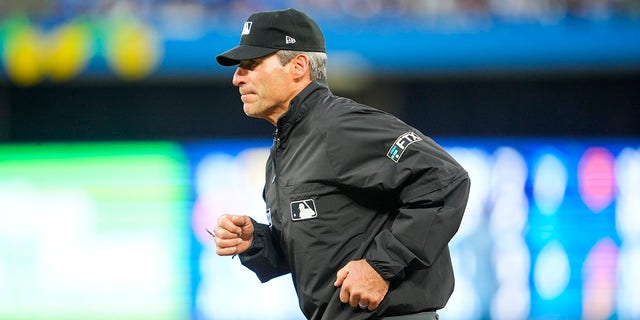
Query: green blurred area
(93, 231)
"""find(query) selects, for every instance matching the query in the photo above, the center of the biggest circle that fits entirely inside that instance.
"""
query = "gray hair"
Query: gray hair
(317, 62)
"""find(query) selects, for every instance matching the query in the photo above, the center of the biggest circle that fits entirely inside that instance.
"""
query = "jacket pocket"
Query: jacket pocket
(310, 189)
(304, 200)
(321, 216)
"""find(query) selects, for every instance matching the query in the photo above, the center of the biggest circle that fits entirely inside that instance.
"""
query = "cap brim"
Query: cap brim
(243, 52)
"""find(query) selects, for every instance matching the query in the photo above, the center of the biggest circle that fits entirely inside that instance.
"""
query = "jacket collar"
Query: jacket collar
(298, 108)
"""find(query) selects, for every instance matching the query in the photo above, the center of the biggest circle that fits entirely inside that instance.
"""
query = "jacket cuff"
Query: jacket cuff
(391, 259)
(262, 257)
(258, 242)
(385, 272)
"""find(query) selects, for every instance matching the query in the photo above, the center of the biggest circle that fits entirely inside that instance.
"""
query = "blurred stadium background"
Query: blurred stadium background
(121, 139)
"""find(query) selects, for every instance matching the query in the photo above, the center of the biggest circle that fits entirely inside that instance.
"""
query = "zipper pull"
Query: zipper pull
(276, 139)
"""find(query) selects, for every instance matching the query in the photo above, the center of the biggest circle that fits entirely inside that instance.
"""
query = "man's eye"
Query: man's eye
(249, 64)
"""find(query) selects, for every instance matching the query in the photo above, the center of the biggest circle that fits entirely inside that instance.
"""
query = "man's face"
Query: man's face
(265, 87)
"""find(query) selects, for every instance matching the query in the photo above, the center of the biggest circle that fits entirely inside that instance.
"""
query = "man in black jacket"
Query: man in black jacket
(361, 205)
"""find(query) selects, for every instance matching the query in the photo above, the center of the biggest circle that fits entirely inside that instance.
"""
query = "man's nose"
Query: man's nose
(239, 77)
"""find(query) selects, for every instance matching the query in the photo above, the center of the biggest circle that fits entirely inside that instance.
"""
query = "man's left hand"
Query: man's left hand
(361, 285)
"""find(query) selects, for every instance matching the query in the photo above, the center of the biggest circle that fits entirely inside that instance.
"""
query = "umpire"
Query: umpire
(361, 206)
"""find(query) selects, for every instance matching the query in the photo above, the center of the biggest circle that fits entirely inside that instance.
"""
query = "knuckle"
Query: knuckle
(221, 232)
(223, 244)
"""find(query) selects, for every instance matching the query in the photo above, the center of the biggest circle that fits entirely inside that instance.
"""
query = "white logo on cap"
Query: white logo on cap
(289, 40)
(247, 28)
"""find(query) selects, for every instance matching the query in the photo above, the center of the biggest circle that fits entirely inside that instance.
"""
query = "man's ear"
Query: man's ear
(300, 67)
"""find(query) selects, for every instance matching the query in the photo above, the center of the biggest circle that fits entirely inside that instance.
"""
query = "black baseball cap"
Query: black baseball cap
(267, 32)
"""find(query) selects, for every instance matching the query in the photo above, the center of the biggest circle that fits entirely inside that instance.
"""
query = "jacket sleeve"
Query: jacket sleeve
(264, 257)
(429, 187)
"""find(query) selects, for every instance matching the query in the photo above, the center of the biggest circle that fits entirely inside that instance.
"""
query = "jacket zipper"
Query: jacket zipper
(276, 143)
(274, 181)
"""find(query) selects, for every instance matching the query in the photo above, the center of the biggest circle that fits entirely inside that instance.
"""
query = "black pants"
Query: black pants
(430, 315)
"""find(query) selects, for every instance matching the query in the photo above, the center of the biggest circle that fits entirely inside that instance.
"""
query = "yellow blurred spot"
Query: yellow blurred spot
(133, 50)
(22, 55)
(68, 52)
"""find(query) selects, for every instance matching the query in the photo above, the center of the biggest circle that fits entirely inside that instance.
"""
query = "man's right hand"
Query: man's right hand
(234, 234)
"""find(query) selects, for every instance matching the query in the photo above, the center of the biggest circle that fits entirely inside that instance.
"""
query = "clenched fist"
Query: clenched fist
(234, 234)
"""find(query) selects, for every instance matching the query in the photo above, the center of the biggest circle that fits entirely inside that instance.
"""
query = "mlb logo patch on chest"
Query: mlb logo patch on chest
(401, 144)
(303, 210)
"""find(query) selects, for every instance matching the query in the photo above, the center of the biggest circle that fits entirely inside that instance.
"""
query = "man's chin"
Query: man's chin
(250, 112)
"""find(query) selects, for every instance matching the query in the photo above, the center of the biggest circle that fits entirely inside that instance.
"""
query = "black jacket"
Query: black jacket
(344, 182)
